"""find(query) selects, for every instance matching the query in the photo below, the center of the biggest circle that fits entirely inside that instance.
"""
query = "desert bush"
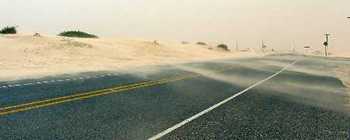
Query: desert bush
(185, 42)
(202, 43)
(224, 47)
(8, 30)
(79, 34)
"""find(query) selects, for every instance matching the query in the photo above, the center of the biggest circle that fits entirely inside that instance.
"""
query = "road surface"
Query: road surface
(275, 97)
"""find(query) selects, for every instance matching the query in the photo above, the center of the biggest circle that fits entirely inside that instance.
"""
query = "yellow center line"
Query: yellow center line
(87, 95)
(91, 94)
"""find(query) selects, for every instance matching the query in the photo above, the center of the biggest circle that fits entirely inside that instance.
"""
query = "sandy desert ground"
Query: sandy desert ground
(26, 56)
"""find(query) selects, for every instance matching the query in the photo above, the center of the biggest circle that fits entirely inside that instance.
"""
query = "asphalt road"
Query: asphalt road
(305, 101)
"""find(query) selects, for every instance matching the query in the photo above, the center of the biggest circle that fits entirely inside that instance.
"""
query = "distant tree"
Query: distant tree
(8, 30)
(79, 34)
(223, 47)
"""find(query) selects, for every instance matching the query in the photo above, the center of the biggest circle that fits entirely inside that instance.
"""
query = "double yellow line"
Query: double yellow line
(87, 95)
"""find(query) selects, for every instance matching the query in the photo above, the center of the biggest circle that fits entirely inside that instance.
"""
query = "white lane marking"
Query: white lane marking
(169, 130)
(56, 81)
(27, 84)
(14, 85)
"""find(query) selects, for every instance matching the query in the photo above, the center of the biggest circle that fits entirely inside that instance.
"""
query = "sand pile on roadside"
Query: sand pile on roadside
(343, 73)
(339, 52)
(25, 56)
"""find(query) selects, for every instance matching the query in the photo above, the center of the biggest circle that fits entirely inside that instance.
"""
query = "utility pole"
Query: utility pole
(293, 47)
(237, 49)
(326, 44)
(263, 46)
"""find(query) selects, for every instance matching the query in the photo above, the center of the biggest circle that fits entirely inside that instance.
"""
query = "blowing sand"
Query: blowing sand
(25, 56)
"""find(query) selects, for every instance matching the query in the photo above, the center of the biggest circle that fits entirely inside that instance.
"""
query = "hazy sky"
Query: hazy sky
(278, 22)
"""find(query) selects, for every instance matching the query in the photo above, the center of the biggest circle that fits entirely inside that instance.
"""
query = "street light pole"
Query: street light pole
(237, 49)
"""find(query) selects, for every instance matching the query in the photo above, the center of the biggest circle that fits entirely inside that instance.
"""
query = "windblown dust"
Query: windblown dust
(26, 56)
(301, 83)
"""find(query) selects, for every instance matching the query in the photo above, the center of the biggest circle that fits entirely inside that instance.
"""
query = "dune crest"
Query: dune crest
(27, 56)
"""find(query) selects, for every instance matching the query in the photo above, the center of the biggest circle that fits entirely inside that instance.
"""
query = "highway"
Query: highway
(273, 97)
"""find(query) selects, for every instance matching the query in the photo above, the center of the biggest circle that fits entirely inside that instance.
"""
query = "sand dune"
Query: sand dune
(25, 56)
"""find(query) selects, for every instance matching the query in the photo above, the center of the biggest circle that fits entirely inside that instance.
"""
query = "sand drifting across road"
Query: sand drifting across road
(312, 81)
(26, 56)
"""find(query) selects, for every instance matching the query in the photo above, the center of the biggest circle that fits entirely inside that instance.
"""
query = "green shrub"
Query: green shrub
(202, 43)
(224, 47)
(8, 30)
(79, 34)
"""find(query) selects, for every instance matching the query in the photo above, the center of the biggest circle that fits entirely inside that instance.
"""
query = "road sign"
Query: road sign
(325, 44)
